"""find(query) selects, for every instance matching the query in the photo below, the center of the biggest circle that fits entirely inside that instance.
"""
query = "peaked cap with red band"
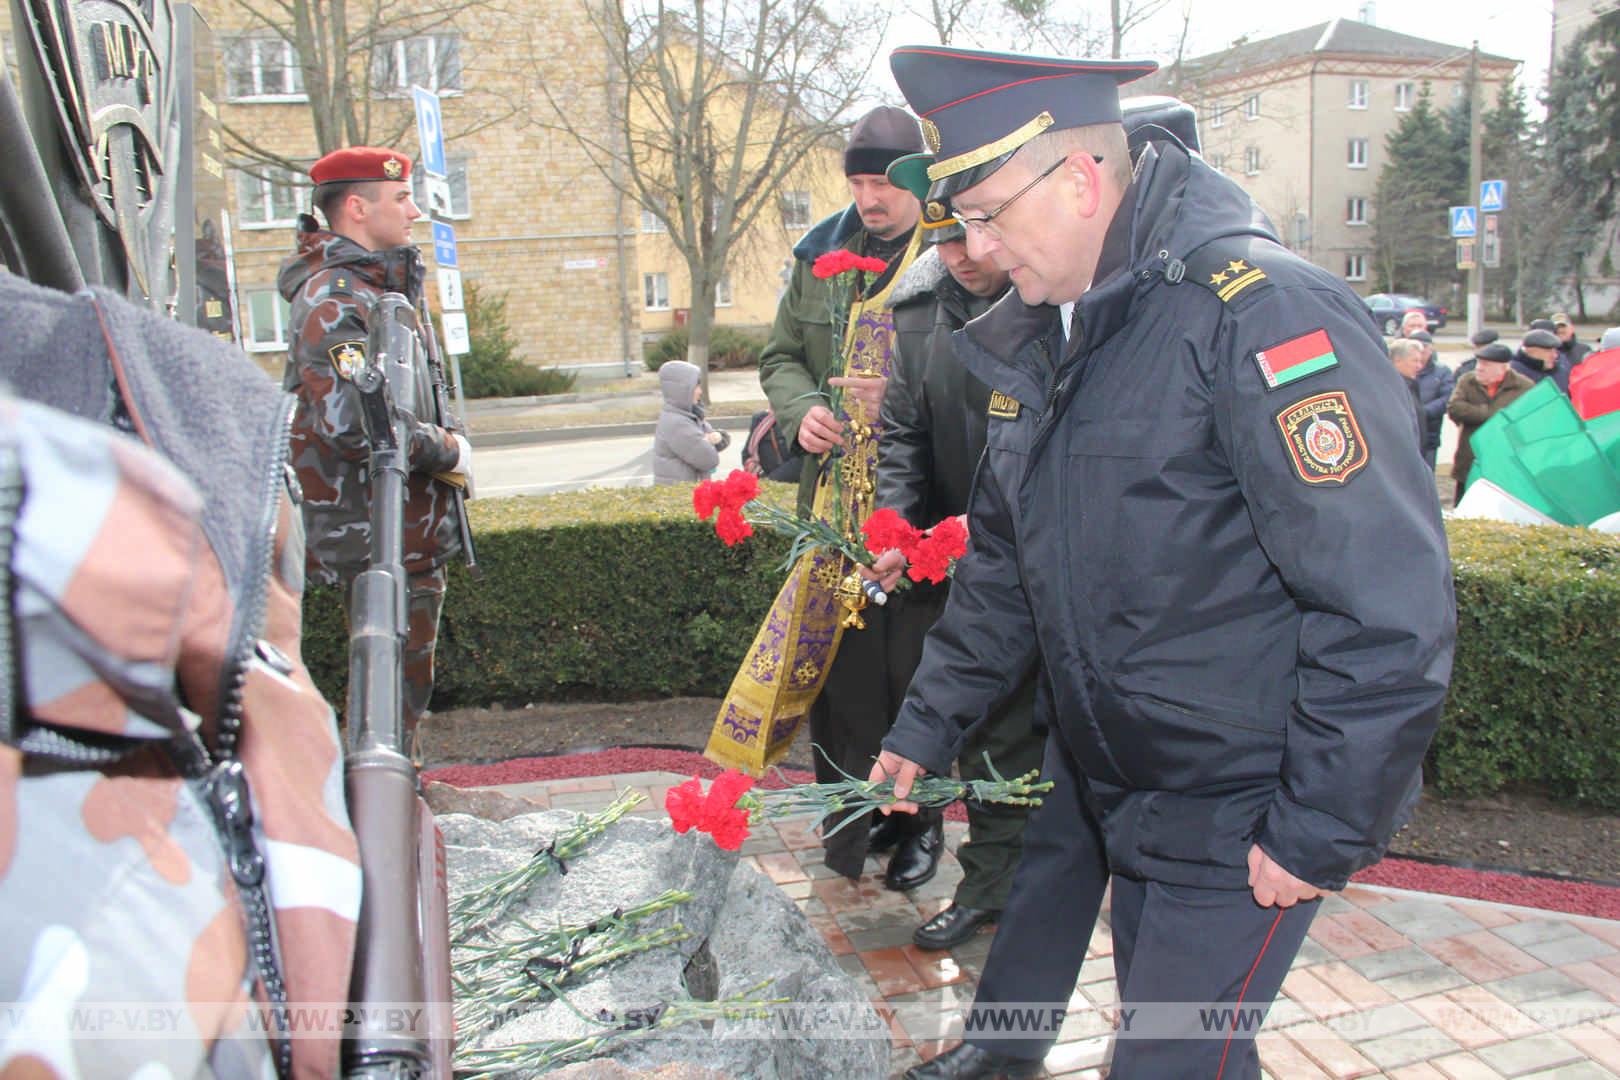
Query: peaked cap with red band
(977, 108)
(355, 164)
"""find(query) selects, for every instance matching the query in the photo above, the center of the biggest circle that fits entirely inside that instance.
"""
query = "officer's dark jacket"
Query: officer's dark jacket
(934, 410)
(1236, 655)
(1435, 383)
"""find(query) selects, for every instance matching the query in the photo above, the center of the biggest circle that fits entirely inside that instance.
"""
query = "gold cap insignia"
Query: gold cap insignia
(392, 168)
(935, 210)
(930, 132)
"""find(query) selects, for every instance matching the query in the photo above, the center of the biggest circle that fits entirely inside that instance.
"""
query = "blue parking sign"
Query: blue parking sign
(1463, 221)
(444, 244)
(430, 132)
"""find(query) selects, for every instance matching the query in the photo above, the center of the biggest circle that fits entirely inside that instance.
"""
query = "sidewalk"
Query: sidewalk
(631, 410)
(1390, 983)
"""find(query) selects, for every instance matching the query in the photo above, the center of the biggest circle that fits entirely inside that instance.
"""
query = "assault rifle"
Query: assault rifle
(402, 951)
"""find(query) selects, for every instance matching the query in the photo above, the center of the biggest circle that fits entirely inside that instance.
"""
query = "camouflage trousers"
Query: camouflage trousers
(424, 602)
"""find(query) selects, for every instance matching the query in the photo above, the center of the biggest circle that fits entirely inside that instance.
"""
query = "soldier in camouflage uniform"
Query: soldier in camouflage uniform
(331, 284)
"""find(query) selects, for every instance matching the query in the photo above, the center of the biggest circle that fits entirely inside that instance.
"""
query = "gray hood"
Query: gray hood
(678, 379)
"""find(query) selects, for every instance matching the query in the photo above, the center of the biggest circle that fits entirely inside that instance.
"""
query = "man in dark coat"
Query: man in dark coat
(1435, 382)
(1538, 358)
(1574, 351)
(933, 435)
(1198, 459)
(331, 283)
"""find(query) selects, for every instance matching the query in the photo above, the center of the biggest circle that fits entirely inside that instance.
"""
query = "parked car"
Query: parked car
(1387, 309)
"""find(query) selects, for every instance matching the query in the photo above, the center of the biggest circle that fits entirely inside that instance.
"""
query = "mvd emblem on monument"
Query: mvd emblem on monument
(110, 65)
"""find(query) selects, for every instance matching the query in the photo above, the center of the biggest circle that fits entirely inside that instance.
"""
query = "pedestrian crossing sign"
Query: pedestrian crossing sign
(1462, 221)
(1492, 196)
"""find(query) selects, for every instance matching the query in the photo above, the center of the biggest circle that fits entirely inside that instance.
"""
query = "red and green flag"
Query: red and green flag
(1296, 358)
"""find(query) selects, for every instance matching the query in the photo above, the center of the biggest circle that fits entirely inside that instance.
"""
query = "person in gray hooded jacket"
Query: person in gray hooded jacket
(685, 448)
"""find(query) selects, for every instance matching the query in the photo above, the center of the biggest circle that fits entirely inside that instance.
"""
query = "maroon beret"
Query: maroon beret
(357, 163)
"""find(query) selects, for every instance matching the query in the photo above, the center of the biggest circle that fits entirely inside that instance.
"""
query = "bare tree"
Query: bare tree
(718, 103)
(354, 63)
(1075, 32)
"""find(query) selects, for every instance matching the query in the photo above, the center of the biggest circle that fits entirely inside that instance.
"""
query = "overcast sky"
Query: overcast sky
(1520, 29)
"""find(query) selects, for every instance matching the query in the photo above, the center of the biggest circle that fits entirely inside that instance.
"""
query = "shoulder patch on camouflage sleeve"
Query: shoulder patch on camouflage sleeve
(348, 357)
(1324, 442)
(1002, 407)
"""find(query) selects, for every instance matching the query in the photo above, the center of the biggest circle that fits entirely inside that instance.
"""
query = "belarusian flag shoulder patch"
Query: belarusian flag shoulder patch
(1291, 360)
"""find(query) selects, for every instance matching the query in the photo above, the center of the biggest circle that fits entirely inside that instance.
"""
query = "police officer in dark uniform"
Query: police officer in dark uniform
(331, 283)
(933, 436)
(1199, 459)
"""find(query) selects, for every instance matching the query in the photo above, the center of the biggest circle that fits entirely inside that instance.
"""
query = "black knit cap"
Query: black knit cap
(879, 137)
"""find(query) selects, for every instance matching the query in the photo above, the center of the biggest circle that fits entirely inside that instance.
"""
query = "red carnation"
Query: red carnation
(931, 557)
(706, 497)
(716, 813)
(886, 529)
(833, 263)
(740, 487)
(732, 527)
(871, 264)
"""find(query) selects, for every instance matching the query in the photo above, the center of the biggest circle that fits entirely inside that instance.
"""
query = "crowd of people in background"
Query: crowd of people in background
(1488, 381)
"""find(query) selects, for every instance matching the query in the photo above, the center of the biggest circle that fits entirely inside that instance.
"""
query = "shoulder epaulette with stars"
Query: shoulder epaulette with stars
(1226, 268)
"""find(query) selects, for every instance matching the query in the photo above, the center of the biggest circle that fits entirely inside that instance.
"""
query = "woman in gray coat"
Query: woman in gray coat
(685, 448)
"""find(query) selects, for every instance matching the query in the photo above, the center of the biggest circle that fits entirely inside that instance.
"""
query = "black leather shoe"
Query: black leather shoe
(883, 832)
(969, 1062)
(952, 926)
(916, 859)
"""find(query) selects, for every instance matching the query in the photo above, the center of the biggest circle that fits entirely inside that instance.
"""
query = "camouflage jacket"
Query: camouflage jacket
(331, 284)
(156, 590)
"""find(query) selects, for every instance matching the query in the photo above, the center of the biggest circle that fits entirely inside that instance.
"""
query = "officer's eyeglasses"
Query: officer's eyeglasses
(984, 226)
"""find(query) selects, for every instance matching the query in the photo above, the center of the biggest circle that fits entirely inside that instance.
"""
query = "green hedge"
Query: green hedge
(618, 595)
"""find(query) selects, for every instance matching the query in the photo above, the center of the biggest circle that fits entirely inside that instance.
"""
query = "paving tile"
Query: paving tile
(1420, 920)
(1406, 1047)
(1363, 897)
(1338, 938)
(1580, 1070)
(1566, 1010)
(1087, 1023)
(796, 890)
(1530, 1054)
(828, 927)
(1332, 1054)
(1421, 1071)
(1381, 965)
(1413, 984)
(1487, 915)
(1310, 954)
(1607, 929)
(934, 968)
(1494, 1011)
(1609, 963)
(891, 971)
(582, 801)
(1351, 985)
(891, 933)
(797, 833)
(1460, 1024)
(1316, 996)
(1282, 1058)
(1482, 957)
(1594, 977)
(1465, 1067)
(1374, 931)
(1596, 1043)
(1358, 1027)
(1569, 950)
(1534, 986)
(1534, 931)
(781, 867)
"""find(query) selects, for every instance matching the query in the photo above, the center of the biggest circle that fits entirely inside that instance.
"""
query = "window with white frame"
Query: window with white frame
(1355, 210)
(1251, 161)
(1251, 107)
(1358, 94)
(1356, 154)
(795, 209)
(460, 190)
(1355, 268)
(1403, 97)
(651, 222)
(1217, 115)
(722, 291)
(432, 61)
(267, 318)
(269, 197)
(1217, 160)
(655, 292)
(262, 69)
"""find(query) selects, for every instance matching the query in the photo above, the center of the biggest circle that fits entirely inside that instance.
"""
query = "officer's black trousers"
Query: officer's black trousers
(1174, 946)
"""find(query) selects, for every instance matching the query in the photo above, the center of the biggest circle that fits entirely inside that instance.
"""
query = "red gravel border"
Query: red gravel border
(1570, 897)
